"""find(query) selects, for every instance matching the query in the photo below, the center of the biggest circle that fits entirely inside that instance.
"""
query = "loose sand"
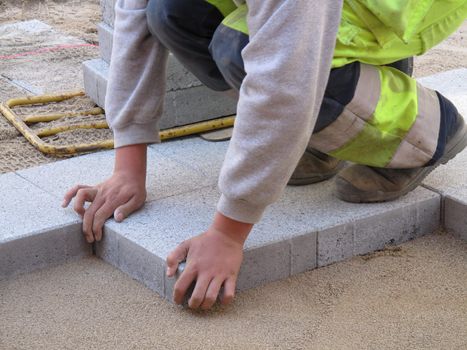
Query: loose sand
(409, 297)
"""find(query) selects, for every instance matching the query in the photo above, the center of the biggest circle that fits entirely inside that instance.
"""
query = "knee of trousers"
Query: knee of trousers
(226, 50)
(167, 19)
(156, 16)
(177, 22)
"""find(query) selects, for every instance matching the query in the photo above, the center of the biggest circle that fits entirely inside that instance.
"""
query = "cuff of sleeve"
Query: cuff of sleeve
(134, 134)
(240, 210)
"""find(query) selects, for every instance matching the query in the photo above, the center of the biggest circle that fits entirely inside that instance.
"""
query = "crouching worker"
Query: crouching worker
(316, 88)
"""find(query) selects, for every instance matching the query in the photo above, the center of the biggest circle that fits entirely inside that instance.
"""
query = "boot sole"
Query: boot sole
(316, 178)
(455, 146)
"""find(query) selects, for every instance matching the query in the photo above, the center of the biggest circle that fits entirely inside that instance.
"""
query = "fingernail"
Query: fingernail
(64, 204)
(119, 217)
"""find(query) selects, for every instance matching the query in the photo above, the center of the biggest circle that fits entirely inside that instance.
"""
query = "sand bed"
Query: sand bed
(409, 297)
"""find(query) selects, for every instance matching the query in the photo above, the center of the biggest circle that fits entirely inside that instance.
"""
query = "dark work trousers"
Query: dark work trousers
(193, 31)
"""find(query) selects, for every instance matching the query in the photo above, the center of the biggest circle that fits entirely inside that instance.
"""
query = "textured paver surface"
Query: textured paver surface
(307, 228)
(34, 231)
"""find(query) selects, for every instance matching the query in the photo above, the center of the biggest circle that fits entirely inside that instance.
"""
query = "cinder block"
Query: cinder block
(105, 34)
(35, 231)
(108, 11)
(90, 82)
(95, 74)
(178, 77)
(165, 177)
(455, 210)
(182, 106)
(200, 103)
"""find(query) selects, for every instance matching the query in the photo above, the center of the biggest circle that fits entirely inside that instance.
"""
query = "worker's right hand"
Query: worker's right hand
(120, 195)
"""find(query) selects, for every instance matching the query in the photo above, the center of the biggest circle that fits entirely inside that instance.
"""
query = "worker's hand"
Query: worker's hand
(120, 195)
(213, 260)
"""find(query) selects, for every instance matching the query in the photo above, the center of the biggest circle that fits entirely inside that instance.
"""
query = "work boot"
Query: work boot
(314, 167)
(365, 184)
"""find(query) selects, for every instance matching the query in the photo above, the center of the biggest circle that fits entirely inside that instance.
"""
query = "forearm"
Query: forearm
(132, 160)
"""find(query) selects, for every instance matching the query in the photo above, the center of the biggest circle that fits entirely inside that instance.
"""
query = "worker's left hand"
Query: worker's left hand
(213, 260)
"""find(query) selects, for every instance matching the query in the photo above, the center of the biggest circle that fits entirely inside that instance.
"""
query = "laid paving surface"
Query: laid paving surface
(307, 228)
(34, 231)
(450, 180)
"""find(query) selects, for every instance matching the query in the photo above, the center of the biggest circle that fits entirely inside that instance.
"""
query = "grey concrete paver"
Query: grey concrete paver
(294, 233)
(165, 177)
(450, 180)
(35, 231)
(455, 212)
(197, 153)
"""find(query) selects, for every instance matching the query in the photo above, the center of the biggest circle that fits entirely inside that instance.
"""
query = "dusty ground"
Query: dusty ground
(75, 17)
(39, 71)
(409, 297)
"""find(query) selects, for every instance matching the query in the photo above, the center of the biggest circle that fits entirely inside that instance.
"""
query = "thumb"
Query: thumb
(177, 255)
(123, 211)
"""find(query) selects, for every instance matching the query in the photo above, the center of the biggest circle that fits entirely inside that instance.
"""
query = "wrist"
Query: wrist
(131, 161)
(236, 230)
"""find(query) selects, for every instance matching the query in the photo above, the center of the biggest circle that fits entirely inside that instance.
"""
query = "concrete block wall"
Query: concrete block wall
(187, 100)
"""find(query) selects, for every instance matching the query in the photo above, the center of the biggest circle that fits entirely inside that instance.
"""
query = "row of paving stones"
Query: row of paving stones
(307, 228)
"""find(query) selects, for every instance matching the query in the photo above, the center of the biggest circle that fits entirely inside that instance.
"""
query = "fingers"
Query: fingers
(197, 297)
(183, 283)
(84, 195)
(178, 255)
(101, 215)
(212, 293)
(123, 211)
(229, 291)
(71, 193)
(88, 218)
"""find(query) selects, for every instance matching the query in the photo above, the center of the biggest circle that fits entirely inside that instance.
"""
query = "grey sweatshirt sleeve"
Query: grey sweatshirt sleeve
(136, 86)
(287, 63)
